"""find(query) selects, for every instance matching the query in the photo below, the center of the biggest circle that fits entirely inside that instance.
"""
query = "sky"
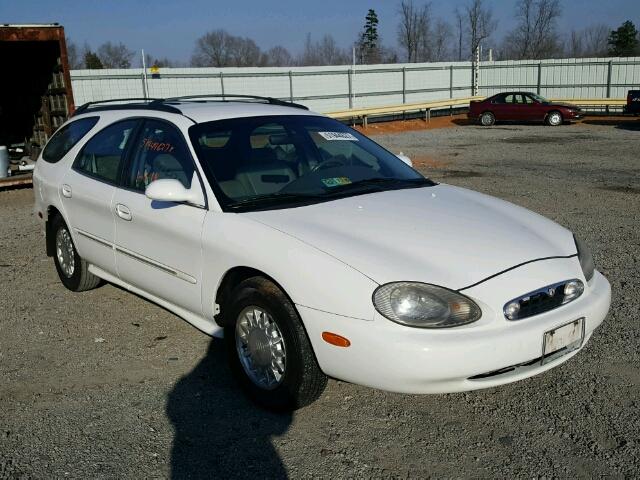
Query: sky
(169, 28)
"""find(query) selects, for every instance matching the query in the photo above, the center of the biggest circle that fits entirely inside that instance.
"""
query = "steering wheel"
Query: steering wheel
(329, 163)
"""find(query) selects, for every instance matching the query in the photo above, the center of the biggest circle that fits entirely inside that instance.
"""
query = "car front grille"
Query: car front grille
(540, 301)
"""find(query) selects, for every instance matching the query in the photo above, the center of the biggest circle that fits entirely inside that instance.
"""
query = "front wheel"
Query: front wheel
(487, 119)
(268, 349)
(554, 119)
(72, 269)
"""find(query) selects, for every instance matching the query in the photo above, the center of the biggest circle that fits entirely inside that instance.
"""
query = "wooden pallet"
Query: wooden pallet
(16, 181)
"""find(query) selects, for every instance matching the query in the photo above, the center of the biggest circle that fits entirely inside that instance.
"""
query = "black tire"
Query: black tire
(303, 381)
(81, 279)
(550, 118)
(487, 119)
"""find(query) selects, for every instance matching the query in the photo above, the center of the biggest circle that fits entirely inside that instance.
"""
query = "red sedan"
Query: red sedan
(522, 106)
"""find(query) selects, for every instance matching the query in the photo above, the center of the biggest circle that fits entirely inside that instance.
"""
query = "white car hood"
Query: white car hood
(443, 235)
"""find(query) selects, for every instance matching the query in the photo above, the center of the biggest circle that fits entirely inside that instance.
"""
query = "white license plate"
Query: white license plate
(562, 340)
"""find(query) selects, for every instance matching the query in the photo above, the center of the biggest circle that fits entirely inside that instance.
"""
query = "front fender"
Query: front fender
(311, 277)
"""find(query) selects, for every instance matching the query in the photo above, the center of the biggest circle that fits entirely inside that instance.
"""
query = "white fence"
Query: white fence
(341, 87)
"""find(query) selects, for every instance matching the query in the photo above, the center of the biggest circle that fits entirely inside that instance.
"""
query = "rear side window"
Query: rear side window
(66, 138)
(102, 156)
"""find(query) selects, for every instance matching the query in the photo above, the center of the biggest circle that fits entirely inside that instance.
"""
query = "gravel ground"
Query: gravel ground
(104, 384)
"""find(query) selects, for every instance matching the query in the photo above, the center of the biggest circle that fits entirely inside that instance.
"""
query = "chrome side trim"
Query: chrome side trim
(158, 265)
(141, 258)
(101, 241)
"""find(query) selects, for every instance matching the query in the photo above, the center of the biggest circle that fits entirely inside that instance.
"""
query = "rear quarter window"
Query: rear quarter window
(66, 138)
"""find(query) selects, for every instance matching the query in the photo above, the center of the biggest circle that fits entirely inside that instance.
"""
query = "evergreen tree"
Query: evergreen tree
(368, 45)
(623, 42)
(92, 61)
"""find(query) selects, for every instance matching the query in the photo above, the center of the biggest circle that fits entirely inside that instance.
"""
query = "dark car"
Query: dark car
(522, 106)
(633, 102)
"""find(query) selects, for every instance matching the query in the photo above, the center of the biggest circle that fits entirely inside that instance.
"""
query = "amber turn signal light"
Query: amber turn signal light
(335, 339)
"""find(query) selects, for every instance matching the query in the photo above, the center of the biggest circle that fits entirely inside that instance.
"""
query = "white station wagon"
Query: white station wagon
(315, 251)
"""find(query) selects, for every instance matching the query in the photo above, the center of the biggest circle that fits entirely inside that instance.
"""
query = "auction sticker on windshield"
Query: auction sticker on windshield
(338, 136)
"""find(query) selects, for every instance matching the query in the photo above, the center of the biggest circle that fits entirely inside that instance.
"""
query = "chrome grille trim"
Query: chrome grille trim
(541, 300)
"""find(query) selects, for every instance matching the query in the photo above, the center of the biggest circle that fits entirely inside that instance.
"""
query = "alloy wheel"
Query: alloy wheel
(65, 253)
(260, 347)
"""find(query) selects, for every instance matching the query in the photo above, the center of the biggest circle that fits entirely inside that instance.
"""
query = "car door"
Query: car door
(87, 192)
(513, 107)
(158, 244)
(500, 108)
(536, 111)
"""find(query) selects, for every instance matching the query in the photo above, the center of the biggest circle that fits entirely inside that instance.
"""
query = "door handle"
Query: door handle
(123, 212)
(66, 190)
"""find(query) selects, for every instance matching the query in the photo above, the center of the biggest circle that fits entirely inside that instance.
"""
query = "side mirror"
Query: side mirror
(405, 159)
(170, 190)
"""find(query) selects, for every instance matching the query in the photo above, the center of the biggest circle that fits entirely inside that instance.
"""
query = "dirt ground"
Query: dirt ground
(104, 384)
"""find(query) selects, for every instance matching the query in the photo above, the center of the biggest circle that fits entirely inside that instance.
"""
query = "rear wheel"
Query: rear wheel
(487, 119)
(554, 119)
(268, 349)
(72, 269)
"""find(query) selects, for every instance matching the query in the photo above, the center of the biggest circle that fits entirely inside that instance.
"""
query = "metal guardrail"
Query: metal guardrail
(364, 113)
(594, 102)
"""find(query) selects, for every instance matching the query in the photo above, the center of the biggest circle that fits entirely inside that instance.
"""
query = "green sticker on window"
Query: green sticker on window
(335, 181)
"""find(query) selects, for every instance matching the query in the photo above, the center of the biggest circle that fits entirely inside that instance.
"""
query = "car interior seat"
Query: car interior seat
(263, 173)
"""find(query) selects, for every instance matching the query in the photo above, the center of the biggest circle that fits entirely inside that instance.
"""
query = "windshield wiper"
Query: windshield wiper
(385, 183)
(273, 199)
(361, 186)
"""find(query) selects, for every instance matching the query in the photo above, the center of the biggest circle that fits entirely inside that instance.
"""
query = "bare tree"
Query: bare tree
(213, 49)
(595, 40)
(278, 56)
(162, 62)
(114, 55)
(323, 52)
(219, 48)
(389, 55)
(480, 24)
(75, 56)
(460, 18)
(413, 29)
(592, 41)
(245, 53)
(440, 41)
(535, 35)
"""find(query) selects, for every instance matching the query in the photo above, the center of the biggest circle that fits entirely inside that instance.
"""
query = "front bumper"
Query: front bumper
(392, 357)
(578, 115)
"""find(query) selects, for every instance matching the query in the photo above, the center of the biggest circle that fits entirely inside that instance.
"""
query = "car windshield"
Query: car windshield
(269, 162)
(538, 98)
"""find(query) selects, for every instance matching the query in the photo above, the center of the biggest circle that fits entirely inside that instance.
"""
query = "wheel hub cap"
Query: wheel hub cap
(64, 252)
(260, 347)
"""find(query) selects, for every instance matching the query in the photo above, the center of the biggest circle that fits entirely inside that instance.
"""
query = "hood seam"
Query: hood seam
(513, 268)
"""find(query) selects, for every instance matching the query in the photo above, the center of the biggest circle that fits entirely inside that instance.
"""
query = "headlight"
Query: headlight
(586, 259)
(423, 305)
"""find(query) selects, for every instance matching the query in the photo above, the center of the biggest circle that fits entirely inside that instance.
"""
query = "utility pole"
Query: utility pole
(476, 72)
(145, 85)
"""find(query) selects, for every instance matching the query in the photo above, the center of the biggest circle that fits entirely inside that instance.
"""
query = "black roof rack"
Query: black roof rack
(167, 104)
(233, 97)
(126, 104)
